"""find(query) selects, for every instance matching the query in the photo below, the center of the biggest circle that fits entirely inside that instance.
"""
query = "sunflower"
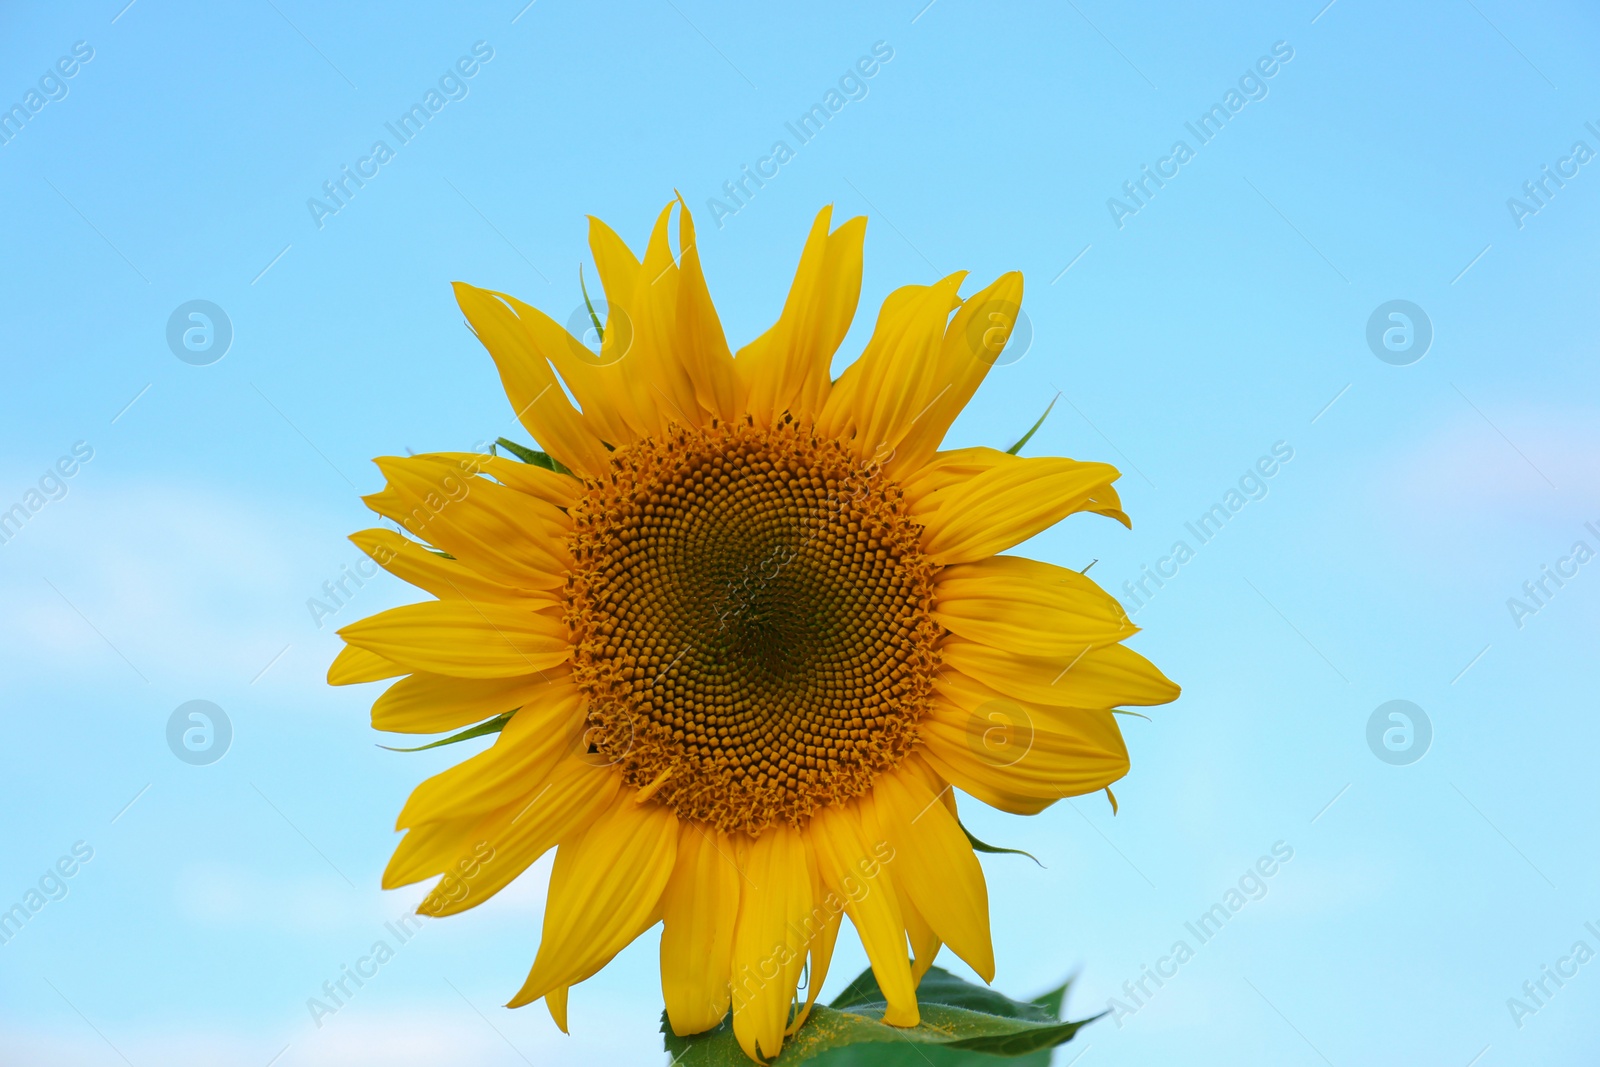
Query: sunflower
(741, 628)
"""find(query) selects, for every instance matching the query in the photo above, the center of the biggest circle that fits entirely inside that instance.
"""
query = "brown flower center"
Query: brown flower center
(751, 615)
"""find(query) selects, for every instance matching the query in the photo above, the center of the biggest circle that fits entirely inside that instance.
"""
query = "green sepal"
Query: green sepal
(493, 726)
(963, 1025)
(599, 330)
(1014, 449)
(994, 850)
(402, 532)
(532, 456)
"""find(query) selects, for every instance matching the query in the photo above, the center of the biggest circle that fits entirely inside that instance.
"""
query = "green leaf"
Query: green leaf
(1014, 449)
(939, 986)
(1052, 1001)
(532, 456)
(493, 726)
(963, 1025)
(599, 330)
(995, 850)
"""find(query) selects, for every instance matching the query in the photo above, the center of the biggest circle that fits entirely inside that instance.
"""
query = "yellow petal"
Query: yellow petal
(491, 501)
(660, 356)
(879, 396)
(787, 368)
(658, 371)
(914, 764)
(446, 579)
(497, 531)
(1019, 757)
(769, 943)
(605, 888)
(533, 741)
(433, 703)
(426, 850)
(934, 866)
(1108, 677)
(492, 852)
(1028, 607)
(618, 266)
(925, 944)
(983, 784)
(821, 933)
(463, 867)
(619, 273)
(698, 911)
(700, 342)
(559, 490)
(946, 469)
(354, 664)
(1006, 505)
(556, 1001)
(971, 345)
(859, 873)
(537, 398)
(463, 639)
(596, 382)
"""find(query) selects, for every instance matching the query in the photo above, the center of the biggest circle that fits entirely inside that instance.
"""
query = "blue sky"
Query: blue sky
(1225, 317)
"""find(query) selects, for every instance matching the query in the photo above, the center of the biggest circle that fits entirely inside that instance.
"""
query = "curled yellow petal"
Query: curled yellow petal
(787, 368)
(1007, 504)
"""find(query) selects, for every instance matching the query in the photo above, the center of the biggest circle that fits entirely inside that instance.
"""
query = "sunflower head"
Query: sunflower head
(741, 629)
(749, 610)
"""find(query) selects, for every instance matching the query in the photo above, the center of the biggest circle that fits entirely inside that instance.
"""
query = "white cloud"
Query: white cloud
(1467, 465)
(189, 584)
